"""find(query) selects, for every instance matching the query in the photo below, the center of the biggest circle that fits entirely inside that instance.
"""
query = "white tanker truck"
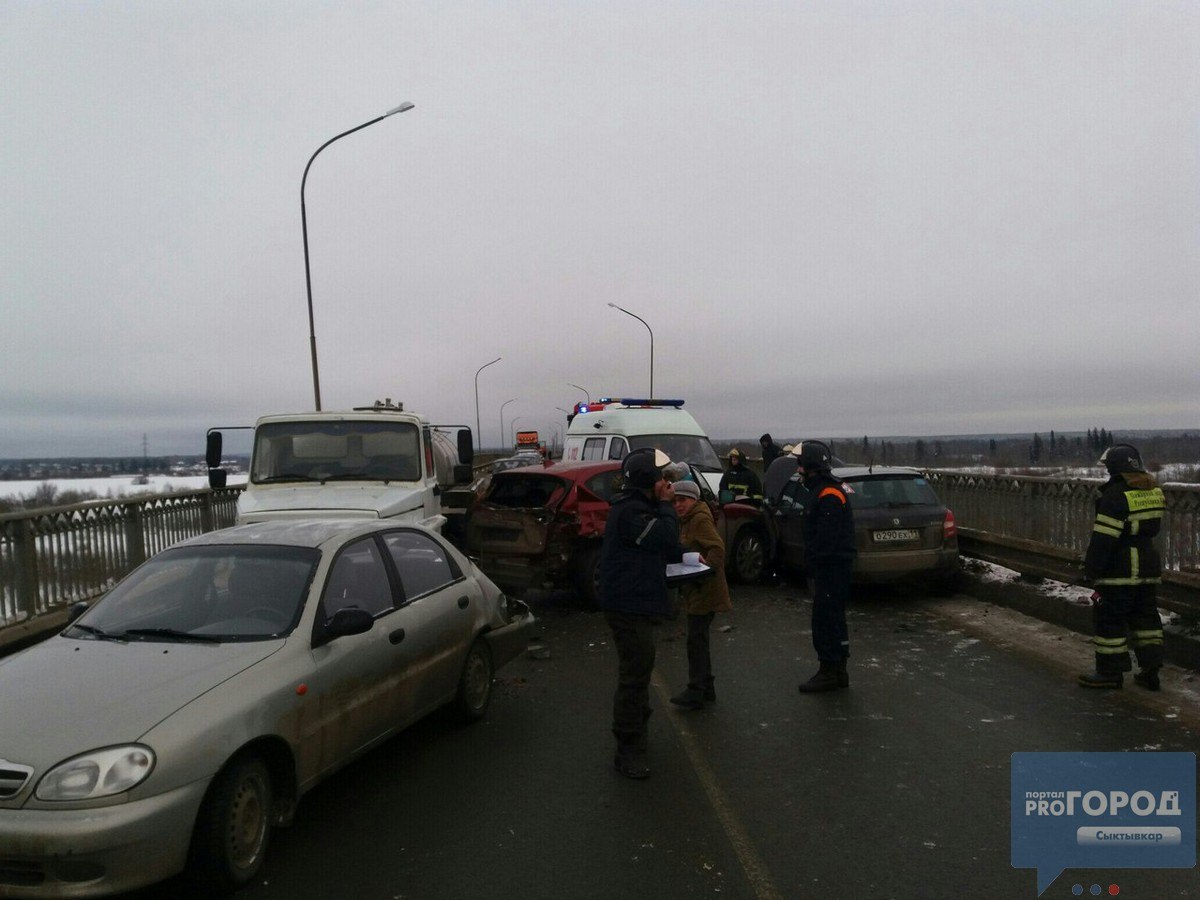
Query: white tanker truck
(377, 461)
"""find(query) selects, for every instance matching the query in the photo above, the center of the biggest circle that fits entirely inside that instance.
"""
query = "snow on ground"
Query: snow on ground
(1075, 594)
(115, 487)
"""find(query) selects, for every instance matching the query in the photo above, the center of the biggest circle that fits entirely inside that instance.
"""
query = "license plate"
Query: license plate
(895, 534)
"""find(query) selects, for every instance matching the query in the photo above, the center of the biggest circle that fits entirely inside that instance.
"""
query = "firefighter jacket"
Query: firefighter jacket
(828, 523)
(641, 536)
(743, 482)
(1129, 514)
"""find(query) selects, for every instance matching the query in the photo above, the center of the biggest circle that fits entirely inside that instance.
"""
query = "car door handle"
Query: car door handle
(396, 636)
(464, 602)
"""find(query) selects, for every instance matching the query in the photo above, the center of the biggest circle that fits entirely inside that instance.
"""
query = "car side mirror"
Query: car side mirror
(212, 457)
(349, 620)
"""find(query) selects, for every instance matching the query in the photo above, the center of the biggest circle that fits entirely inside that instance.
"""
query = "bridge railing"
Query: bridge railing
(1059, 512)
(52, 558)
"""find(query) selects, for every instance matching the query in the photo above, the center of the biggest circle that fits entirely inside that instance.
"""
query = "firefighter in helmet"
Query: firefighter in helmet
(829, 552)
(1123, 565)
(740, 480)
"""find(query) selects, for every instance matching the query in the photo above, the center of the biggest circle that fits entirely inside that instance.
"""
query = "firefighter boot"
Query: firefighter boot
(826, 679)
(1148, 678)
(1101, 679)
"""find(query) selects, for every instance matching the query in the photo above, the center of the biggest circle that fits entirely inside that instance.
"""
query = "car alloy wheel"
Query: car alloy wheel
(749, 556)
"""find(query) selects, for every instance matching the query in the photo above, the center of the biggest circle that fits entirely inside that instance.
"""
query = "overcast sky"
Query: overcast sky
(837, 218)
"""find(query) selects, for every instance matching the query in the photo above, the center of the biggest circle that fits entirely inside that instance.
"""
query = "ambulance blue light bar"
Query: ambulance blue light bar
(603, 402)
(630, 401)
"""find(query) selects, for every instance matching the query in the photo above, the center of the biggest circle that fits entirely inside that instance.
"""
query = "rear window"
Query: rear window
(892, 491)
(605, 485)
(524, 491)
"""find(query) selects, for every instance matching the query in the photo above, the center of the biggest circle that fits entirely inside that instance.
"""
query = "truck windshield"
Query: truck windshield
(322, 451)
(693, 448)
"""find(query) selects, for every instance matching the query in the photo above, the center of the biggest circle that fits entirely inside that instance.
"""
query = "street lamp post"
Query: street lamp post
(585, 390)
(312, 332)
(643, 321)
(478, 433)
(502, 405)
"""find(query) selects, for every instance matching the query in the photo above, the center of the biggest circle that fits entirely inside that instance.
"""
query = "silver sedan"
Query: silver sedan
(174, 723)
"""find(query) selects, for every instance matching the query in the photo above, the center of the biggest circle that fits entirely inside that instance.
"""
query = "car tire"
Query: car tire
(233, 827)
(748, 557)
(475, 684)
(587, 576)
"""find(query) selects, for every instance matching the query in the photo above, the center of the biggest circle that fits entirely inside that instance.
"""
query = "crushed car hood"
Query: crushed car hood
(84, 690)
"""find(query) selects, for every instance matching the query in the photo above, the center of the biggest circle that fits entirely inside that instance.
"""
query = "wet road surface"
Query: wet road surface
(895, 788)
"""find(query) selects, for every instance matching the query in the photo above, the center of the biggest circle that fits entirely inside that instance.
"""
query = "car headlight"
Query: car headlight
(101, 773)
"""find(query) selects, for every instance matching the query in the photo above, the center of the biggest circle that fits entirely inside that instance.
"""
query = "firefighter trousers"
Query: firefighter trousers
(1127, 616)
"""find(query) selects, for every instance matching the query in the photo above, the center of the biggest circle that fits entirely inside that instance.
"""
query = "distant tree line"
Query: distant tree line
(92, 466)
(1013, 453)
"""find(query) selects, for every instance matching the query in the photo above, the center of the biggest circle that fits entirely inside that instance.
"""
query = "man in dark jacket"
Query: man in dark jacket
(741, 480)
(771, 451)
(1123, 565)
(641, 536)
(829, 553)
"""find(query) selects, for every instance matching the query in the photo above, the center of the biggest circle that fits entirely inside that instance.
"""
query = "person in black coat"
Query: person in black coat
(740, 480)
(641, 535)
(771, 451)
(829, 552)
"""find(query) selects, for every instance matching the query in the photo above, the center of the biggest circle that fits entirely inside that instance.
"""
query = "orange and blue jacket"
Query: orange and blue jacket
(828, 523)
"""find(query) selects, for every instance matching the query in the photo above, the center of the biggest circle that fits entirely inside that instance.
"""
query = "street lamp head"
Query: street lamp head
(613, 305)
(403, 107)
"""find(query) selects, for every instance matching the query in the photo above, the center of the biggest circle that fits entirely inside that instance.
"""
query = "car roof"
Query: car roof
(575, 469)
(852, 472)
(297, 532)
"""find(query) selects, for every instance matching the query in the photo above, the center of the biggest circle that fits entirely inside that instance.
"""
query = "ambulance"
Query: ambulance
(613, 426)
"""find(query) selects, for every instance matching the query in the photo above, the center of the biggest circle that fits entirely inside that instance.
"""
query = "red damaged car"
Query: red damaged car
(540, 527)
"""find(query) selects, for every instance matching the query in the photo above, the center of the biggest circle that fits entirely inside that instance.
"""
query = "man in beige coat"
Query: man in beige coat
(703, 598)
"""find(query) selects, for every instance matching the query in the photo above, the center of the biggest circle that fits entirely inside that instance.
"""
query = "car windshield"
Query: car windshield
(235, 592)
(521, 491)
(892, 491)
(693, 448)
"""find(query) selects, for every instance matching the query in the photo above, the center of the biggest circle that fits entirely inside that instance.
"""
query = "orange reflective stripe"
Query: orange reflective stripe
(834, 491)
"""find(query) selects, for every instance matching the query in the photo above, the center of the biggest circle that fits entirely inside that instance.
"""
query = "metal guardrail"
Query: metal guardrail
(1059, 512)
(52, 558)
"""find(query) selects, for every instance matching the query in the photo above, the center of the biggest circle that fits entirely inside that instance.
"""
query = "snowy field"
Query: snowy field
(114, 488)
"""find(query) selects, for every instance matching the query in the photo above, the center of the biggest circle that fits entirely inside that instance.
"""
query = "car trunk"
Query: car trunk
(525, 530)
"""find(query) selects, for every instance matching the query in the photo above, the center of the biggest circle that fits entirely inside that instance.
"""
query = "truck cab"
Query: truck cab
(378, 461)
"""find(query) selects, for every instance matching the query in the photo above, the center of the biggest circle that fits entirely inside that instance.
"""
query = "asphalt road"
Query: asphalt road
(895, 788)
